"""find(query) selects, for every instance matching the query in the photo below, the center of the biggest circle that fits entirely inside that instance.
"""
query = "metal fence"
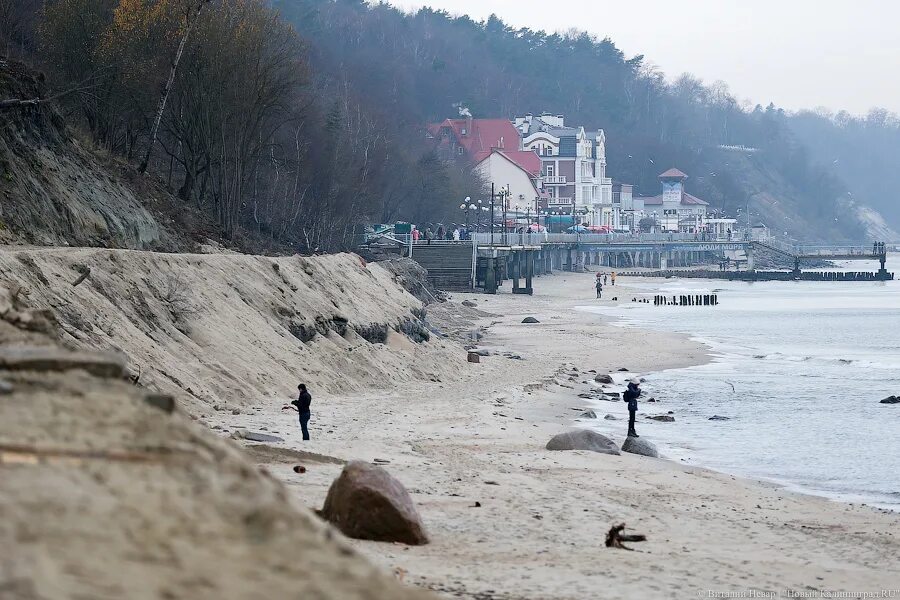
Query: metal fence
(535, 239)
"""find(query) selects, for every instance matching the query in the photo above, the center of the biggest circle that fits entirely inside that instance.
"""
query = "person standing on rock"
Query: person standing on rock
(302, 405)
(630, 396)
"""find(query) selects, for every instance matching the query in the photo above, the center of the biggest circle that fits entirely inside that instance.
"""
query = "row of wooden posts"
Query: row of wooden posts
(686, 300)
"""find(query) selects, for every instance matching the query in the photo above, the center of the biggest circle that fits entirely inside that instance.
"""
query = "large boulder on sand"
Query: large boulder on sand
(637, 445)
(583, 439)
(602, 378)
(365, 502)
(891, 400)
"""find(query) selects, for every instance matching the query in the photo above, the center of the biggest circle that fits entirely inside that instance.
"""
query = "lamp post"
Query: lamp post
(492, 213)
(467, 206)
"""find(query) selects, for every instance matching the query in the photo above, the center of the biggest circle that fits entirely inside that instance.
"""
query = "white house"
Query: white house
(520, 170)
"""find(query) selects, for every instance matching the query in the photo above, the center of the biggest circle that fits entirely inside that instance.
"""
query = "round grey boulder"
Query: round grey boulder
(636, 445)
(583, 439)
(530, 320)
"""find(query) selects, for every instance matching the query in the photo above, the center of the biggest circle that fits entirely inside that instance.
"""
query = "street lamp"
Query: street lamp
(468, 207)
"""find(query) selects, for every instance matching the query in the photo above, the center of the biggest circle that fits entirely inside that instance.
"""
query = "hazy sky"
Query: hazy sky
(838, 54)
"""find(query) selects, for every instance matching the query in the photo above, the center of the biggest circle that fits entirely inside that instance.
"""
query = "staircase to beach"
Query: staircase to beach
(449, 264)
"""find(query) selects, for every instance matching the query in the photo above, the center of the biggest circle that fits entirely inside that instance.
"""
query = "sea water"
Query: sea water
(798, 370)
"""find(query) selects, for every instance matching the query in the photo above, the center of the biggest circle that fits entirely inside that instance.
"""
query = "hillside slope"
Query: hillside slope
(232, 330)
(55, 191)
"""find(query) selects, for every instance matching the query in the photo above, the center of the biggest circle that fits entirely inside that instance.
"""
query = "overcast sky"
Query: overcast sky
(837, 54)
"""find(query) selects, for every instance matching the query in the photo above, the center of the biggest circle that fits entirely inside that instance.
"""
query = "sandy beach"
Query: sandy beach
(476, 434)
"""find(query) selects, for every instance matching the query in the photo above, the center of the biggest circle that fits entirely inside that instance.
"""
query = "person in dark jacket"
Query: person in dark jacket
(302, 405)
(599, 286)
(630, 396)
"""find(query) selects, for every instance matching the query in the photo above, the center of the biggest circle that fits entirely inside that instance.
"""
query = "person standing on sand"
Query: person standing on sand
(301, 405)
(599, 288)
(612, 277)
(630, 396)
(604, 279)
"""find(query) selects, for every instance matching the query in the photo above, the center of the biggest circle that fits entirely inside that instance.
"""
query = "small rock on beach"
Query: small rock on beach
(637, 445)
(583, 439)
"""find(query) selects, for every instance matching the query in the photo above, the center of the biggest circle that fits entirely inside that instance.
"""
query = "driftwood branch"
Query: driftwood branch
(85, 273)
(615, 537)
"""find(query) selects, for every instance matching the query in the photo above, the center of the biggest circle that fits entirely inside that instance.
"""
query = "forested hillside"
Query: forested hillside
(419, 66)
(863, 151)
(217, 99)
(291, 122)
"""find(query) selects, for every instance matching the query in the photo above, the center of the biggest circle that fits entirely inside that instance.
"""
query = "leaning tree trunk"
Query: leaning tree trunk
(164, 96)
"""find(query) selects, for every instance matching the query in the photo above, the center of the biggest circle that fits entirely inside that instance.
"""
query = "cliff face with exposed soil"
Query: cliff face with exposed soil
(56, 191)
(108, 492)
(233, 330)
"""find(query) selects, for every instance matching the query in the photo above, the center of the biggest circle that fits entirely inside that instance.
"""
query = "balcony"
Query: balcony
(560, 200)
(554, 180)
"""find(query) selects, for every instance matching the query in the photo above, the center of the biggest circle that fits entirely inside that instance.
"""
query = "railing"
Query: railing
(554, 179)
(825, 251)
(534, 239)
(560, 201)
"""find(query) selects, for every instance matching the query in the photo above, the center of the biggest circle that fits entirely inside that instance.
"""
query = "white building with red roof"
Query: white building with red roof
(675, 210)
(518, 169)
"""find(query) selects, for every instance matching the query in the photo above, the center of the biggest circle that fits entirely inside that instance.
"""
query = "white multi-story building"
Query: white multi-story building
(573, 167)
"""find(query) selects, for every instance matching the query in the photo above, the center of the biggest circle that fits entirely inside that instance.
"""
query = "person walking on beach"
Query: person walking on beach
(612, 277)
(301, 405)
(604, 279)
(599, 288)
(630, 396)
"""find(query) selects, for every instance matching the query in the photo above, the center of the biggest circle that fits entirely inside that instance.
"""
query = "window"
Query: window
(549, 170)
(460, 150)
(463, 131)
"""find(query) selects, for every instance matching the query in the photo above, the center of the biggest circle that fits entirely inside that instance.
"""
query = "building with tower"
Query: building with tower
(675, 210)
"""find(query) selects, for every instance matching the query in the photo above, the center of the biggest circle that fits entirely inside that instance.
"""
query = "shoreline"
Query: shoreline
(717, 354)
(479, 436)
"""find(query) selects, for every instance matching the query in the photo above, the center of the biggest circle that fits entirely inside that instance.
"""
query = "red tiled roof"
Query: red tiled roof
(688, 199)
(673, 173)
(485, 134)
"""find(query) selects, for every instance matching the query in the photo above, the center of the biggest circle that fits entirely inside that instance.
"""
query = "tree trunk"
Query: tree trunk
(164, 96)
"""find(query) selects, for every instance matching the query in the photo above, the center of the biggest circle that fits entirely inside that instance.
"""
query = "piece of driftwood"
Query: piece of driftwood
(85, 273)
(615, 537)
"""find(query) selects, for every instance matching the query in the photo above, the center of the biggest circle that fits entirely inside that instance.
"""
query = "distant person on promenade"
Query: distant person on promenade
(415, 234)
(630, 396)
(440, 232)
(456, 235)
(599, 287)
(428, 235)
(301, 405)
(612, 278)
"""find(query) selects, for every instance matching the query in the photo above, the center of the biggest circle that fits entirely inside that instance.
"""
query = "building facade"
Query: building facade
(674, 210)
(573, 167)
(520, 171)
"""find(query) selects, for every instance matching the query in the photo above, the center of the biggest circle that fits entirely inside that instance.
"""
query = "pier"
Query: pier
(487, 261)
